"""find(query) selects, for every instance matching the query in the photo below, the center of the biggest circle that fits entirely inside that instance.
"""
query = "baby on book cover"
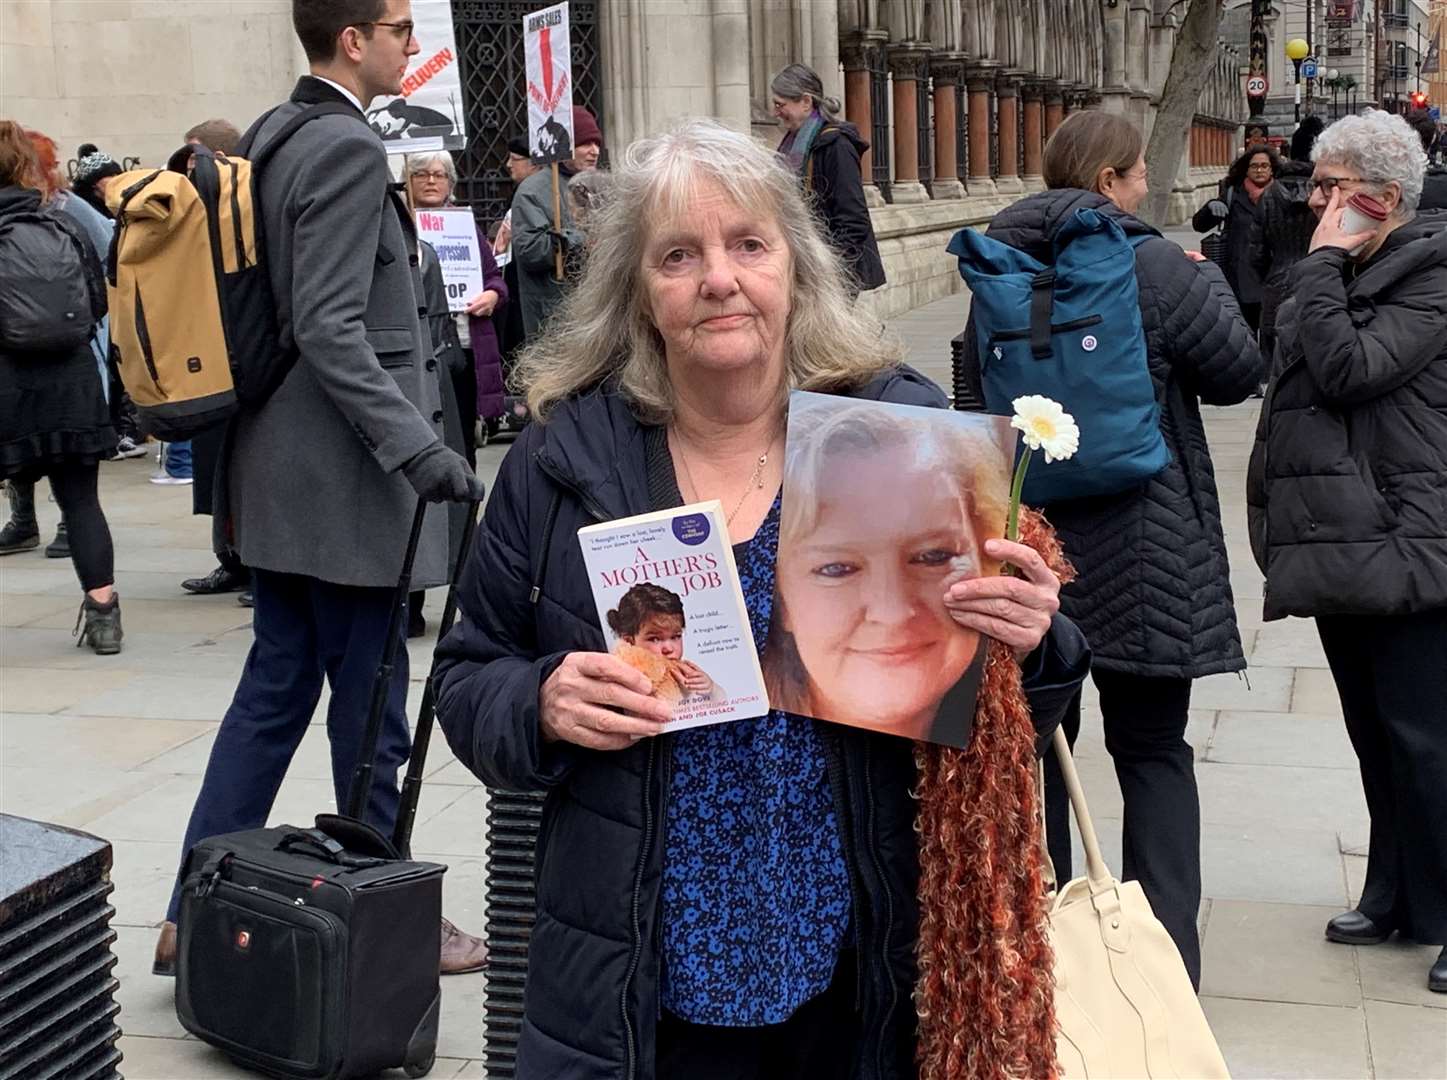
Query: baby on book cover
(885, 507)
(669, 600)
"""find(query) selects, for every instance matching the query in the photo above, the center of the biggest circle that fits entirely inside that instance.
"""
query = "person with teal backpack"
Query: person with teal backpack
(1076, 298)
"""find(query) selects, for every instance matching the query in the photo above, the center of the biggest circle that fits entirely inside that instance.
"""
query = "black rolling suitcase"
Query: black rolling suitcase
(313, 952)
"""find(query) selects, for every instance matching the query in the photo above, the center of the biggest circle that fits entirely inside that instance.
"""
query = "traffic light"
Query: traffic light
(1419, 99)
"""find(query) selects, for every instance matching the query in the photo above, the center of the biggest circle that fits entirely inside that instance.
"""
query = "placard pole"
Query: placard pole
(557, 225)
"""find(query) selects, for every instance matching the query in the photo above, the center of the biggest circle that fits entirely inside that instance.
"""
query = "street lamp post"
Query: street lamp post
(1333, 78)
(1297, 50)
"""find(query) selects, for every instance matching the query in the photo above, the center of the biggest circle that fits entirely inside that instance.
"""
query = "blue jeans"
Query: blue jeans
(305, 630)
(178, 460)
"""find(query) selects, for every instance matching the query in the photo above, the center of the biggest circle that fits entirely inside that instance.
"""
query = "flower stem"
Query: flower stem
(1012, 525)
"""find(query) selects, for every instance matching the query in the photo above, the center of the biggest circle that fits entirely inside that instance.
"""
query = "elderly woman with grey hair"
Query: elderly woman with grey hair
(825, 151)
(727, 901)
(1348, 503)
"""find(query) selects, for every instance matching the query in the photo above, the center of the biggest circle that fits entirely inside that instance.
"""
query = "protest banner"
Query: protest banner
(548, 52)
(428, 114)
(453, 235)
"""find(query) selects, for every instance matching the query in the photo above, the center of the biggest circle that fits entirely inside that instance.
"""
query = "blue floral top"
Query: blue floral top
(756, 895)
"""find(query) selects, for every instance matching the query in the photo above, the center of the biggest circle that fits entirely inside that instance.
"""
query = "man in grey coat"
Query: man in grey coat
(535, 239)
(324, 477)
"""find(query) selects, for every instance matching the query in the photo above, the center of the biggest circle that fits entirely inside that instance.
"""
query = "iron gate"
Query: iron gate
(494, 88)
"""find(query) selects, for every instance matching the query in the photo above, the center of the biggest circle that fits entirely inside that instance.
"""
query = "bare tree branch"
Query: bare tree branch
(1191, 60)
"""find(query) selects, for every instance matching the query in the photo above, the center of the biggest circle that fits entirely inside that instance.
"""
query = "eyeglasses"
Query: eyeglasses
(1327, 184)
(397, 29)
(440, 177)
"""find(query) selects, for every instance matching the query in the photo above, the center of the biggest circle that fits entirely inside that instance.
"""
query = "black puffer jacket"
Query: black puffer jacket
(1279, 239)
(1347, 489)
(1153, 593)
(1434, 189)
(594, 961)
(831, 176)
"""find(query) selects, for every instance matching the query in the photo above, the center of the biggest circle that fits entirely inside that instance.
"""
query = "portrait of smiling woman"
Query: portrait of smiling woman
(737, 900)
(887, 512)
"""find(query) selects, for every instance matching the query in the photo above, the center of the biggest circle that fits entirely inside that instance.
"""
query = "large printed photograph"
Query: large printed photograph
(885, 507)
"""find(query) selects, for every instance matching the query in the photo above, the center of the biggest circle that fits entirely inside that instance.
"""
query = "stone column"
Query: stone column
(906, 64)
(946, 70)
(1008, 90)
(980, 82)
(1032, 94)
(858, 100)
(1054, 108)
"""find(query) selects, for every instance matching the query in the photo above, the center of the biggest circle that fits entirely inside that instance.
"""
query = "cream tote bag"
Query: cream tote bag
(1124, 1006)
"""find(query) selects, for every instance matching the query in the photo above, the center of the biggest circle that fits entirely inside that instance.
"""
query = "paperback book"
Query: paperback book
(670, 604)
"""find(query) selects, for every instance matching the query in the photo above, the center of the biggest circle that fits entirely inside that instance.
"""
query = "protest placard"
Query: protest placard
(547, 47)
(453, 234)
(428, 114)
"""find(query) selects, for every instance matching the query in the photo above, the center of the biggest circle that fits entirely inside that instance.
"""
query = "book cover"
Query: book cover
(670, 604)
(884, 508)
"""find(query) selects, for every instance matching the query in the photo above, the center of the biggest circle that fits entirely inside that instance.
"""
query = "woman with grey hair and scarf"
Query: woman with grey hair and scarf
(825, 151)
(1347, 496)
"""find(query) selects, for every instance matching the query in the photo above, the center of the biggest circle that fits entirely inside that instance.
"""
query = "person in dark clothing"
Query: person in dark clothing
(1434, 182)
(1239, 207)
(53, 416)
(662, 383)
(1347, 504)
(230, 575)
(93, 171)
(1282, 230)
(1153, 593)
(825, 151)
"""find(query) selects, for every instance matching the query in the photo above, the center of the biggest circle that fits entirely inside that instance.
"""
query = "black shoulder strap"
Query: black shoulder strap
(1042, 302)
(288, 129)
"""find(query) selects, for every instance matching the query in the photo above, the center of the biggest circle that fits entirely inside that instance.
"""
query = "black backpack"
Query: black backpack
(51, 290)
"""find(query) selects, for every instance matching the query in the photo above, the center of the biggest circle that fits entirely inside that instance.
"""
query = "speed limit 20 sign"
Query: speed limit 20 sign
(1256, 86)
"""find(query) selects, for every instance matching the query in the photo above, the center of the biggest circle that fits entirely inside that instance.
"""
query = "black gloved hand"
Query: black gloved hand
(438, 474)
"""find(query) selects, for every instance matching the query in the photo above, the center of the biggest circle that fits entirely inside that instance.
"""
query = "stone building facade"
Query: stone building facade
(956, 96)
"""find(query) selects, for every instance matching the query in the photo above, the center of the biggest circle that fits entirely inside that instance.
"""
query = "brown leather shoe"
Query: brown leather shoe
(461, 952)
(165, 961)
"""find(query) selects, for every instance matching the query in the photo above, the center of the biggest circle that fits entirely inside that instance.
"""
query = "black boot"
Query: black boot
(102, 630)
(1437, 977)
(20, 533)
(59, 548)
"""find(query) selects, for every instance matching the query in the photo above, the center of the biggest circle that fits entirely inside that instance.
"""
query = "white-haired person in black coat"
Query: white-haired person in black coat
(1347, 496)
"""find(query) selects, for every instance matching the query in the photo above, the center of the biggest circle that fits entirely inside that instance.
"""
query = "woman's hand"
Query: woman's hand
(1329, 232)
(1015, 610)
(504, 238)
(579, 703)
(695, 679)
(483, 304)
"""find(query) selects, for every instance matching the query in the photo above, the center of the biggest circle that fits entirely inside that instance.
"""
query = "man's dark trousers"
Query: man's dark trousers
(305, 630)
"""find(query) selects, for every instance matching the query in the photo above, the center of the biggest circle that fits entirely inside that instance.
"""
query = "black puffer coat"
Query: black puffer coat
(832, 179)
(1434, 189)
(594, 960)
(1347, 488)
(1279, 239)
(1153, 593)
(52, 405)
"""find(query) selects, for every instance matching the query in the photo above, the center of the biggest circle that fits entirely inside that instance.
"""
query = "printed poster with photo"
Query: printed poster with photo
(428, 114)
(547, 48)
(885, 507)
(670, 605)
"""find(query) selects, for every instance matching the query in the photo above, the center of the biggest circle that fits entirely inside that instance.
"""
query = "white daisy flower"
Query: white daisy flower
(1044, 425)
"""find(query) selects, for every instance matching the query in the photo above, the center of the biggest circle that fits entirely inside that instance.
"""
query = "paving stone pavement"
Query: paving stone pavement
(117, 746)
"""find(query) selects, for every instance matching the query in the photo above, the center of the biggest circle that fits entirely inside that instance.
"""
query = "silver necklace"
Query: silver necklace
(756, 481)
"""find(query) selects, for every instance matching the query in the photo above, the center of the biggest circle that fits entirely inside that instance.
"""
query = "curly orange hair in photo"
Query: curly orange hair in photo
(985, 996)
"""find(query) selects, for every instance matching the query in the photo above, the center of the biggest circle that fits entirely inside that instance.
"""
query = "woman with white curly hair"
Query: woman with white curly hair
(1348, 503)
(728, 901)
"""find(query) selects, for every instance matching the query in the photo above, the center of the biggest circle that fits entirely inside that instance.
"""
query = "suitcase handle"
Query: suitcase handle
(315, 842)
